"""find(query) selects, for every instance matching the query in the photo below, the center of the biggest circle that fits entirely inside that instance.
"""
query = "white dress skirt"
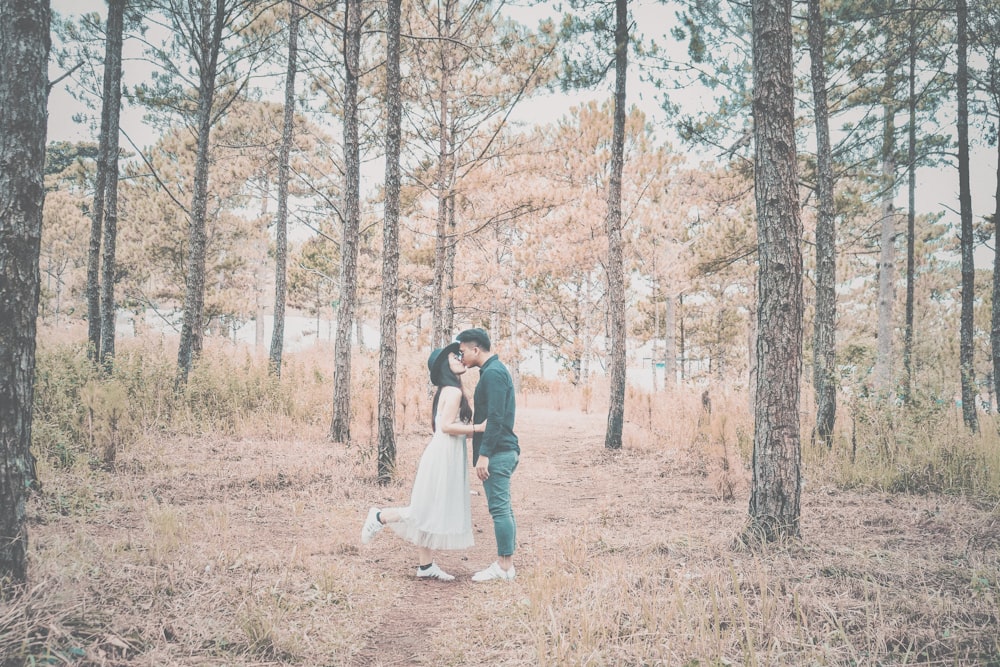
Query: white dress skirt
(439, 515)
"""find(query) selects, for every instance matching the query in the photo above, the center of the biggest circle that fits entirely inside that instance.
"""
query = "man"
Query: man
(495, 451)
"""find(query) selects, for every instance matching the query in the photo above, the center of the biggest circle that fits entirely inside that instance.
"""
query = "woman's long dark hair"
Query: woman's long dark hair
(449, 379)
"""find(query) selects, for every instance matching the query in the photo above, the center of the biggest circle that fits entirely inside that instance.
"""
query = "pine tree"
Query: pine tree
(281, 223)
(340, 426)
(218, 40)
(966, 361)
(24, 52)
(824, 336)
(776, 487)
(390, 250)
(105, 206)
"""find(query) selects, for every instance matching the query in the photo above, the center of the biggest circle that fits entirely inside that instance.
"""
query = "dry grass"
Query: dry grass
(237, 544)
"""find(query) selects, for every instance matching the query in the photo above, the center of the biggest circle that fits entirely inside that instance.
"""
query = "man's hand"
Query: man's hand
(483, 468)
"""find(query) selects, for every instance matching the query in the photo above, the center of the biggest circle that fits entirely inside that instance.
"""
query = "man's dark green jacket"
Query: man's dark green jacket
(494, 404)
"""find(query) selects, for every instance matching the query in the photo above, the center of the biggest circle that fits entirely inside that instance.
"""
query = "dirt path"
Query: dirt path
(554, 484)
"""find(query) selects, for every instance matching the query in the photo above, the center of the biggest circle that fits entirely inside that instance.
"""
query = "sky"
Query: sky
(937, 189)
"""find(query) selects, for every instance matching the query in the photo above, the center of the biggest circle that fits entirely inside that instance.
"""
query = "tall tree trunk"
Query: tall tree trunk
(24, 52)
(669, 342)
(281, 224)
(260, 275)
(683, 341)
(887, 256)
(192, 327)
(965, 206)
(776, 489)
(390, 251)
(911, 213)
(616, 262)
(110, 103)
(340, 428)
(451, 249)
(655, 339)
(444, 185)
(824, 333)
(111, 107)
(995, 320)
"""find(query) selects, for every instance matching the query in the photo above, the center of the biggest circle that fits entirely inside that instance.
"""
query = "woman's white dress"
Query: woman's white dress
(439, 515)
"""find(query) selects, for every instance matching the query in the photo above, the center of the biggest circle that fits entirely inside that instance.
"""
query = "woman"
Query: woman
(439, 515)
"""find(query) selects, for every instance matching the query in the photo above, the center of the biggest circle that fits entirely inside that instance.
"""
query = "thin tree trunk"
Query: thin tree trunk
(24, 51)
(656, 329)
(669, 342)
(451, 249)
(682, 339)
(444, 184)
(340, 428)
(112, 105)
(390, 252)
(281, 232)
(192, 327)
(995, 329)
(110, 100)
(616, 262)
(824, 334)
(887, 257)
(260, 275)
(911, 163)
(776, 488)
(514, 360)
(966, 364)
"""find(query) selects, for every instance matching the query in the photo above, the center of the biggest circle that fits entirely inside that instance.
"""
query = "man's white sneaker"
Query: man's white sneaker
(493, 572)
(434, 572)
(371, 527)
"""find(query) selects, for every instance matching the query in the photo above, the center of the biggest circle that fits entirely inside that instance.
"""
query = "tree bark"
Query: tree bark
(911, 163)
(24, 52)
(106, 161)
(340, 428)
(995, 315)
(775, 495)
(212, 20)
(655, 338)
(281, 224)
(112, 106)
(444, 182)
(616, 263)
(887, 256)
(967, 368)
(670, 342)
(390, 251)
(451, 250)
(824, 334)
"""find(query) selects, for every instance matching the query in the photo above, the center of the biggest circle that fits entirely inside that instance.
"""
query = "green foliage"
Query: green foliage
(77, 412)
(61, 156)
(222, 391)
(60, 374)
(82, 415)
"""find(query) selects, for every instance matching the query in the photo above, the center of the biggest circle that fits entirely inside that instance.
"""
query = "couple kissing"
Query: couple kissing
(439, 516)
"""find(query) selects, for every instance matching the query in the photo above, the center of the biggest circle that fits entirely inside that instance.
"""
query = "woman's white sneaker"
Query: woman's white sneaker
(434, 572)
(371, 527)
(495, 572)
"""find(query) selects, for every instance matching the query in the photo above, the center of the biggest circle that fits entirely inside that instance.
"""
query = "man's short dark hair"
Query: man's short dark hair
(477, 337)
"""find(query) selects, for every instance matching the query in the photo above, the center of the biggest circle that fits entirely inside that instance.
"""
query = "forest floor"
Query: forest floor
(244, 551)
